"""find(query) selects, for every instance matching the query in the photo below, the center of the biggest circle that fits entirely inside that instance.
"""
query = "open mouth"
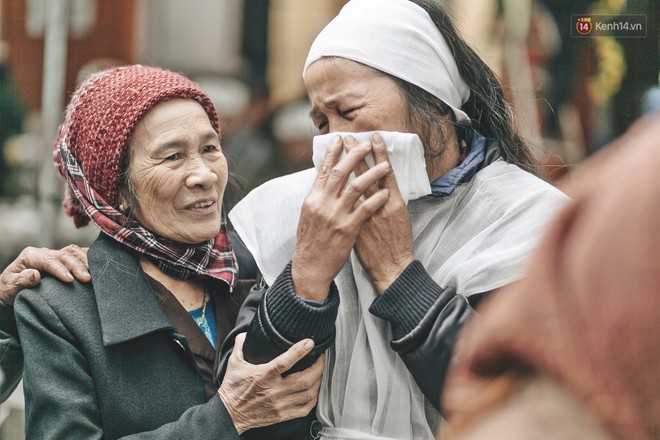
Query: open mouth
(202, 207)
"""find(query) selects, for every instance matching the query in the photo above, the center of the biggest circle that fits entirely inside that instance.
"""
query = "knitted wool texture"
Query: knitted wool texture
(100, 120)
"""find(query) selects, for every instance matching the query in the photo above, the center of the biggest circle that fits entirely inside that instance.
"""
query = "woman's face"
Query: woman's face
(348, 96)
(178, 172)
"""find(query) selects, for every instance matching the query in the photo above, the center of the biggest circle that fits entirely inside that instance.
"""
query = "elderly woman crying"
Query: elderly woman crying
(460, 216)
(133, 354)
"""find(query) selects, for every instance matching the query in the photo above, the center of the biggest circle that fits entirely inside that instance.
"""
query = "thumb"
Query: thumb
(238, 346)
(28, 278)
(18, 281)
(288, 359)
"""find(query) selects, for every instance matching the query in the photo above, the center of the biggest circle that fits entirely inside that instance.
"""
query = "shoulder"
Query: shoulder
(509, 175)
(505, 186)
(56, 295)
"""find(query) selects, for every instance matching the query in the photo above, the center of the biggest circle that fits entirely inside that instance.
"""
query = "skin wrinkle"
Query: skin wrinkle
(425, 111)
(162, 151)
(377, 102)
(365, 102)
(174, 169)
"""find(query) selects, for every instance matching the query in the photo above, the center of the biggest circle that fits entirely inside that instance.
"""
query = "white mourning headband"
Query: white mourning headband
(399, 38)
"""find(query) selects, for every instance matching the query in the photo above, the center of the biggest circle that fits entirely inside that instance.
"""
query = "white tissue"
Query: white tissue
(267, 218)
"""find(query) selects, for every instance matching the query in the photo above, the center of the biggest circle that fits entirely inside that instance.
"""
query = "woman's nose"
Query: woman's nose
(200, 174)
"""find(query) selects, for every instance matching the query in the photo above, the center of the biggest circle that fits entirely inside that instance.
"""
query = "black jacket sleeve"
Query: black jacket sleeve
(426, 320)
(284, 318)
(275, 318)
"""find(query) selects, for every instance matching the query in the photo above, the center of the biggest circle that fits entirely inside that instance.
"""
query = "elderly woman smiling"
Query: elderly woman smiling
(133, 354)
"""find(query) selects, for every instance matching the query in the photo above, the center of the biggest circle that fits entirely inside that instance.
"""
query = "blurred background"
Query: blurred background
(571, 95)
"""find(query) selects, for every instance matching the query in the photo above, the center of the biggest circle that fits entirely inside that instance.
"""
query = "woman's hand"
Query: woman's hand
(258, 395)
(332, 216)
(25, 271)
(384, 244)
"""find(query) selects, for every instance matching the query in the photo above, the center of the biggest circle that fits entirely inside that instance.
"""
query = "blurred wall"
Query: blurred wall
(190, 36)
(110, 37)
(293, 26)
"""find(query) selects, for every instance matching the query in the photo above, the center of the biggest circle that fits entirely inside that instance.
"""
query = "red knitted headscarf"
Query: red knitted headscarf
(91, 150)
(102, 115)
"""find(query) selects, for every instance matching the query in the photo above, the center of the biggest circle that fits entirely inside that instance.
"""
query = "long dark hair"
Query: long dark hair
(490, 113)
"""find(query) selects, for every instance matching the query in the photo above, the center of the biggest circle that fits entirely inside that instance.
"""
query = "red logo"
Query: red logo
(583, 25)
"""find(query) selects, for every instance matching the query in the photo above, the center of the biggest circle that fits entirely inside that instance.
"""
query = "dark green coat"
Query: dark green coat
(103, 361)
(11, 356)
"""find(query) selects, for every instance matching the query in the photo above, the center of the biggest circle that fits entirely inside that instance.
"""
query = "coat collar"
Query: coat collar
(127, 307)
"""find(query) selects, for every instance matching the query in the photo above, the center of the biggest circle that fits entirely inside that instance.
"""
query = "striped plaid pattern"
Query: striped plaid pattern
(215, 258)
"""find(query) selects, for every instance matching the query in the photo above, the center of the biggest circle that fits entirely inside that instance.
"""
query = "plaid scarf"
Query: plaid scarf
(214, 258)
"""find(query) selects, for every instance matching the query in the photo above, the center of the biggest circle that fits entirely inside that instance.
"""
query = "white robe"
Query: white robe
(475, 240)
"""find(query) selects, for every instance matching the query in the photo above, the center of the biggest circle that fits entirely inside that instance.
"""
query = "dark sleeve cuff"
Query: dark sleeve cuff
(410, 297)
(294, 317)
(311, 302)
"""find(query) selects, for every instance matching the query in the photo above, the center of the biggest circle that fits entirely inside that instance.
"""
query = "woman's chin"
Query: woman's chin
(196, 233)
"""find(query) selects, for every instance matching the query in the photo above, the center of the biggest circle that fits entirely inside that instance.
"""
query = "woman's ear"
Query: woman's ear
(124, 205)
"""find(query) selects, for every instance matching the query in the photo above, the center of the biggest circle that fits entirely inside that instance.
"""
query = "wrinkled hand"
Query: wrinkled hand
(25, 271)
(331, 217)
(384, 244)
(258, 395)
